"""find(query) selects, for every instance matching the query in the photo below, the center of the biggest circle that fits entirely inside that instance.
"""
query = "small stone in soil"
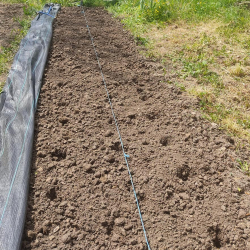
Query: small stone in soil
(223, 208)
(63, 120)
(31, 234)
(108, 133)
(115, 212)
(66, 238)
(119, 221)
(241, 214)
(88, 167)
(128, 227)
(56, 229)
(109, 158)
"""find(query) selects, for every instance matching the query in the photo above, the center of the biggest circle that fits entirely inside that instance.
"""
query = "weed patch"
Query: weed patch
(244, 166)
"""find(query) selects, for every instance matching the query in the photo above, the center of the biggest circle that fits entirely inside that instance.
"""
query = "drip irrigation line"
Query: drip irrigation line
(126, 156)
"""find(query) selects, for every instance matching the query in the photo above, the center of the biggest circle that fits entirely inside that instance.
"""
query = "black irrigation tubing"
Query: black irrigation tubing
(117, 127)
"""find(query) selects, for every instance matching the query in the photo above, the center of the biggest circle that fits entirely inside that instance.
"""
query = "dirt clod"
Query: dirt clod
(108, 133)
(66, 238)
(119, 221)
(63, 120)
(241, 214)
(164, 140)
(88, 167)
(31, 234)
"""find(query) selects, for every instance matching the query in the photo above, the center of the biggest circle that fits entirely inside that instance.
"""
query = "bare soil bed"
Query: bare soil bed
(191, 194)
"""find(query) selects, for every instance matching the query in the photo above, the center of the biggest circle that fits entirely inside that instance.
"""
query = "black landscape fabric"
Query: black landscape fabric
(17, 110)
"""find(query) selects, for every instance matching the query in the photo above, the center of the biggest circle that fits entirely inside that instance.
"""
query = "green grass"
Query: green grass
(102, 3)
(190, 10)
(244, 166)
(137, 13)
(206, 44)
(33, 5)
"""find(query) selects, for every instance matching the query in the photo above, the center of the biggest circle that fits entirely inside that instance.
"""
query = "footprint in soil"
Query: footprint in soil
(51, 193)
(59, 153)
(164, 141)
(182, 172)
(115, 146)
(215, 233)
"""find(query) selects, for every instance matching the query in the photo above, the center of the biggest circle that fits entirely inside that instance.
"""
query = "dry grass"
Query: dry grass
(237, 70)
(210, 66)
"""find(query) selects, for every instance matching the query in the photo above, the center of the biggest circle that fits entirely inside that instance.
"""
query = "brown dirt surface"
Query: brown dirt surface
(8, 24)
(191, 194)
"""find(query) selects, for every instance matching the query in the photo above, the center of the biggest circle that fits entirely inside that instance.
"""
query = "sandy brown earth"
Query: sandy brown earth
(191, 193)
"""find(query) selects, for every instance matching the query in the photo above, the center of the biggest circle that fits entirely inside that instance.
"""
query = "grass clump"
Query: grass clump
(103, 3)
(244, 166)
(155, 10)
(237, 70)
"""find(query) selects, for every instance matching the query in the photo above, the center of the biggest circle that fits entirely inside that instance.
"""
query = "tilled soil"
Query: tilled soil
(191, 194)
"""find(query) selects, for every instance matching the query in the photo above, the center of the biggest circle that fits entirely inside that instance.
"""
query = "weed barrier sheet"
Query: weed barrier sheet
(17, 110)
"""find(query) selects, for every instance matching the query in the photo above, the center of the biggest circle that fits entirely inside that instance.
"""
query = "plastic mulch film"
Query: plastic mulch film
(17, 111)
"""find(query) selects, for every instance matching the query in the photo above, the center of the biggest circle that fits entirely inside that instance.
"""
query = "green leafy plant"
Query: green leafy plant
(155, 10)
(244, 166)
(141, 40)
